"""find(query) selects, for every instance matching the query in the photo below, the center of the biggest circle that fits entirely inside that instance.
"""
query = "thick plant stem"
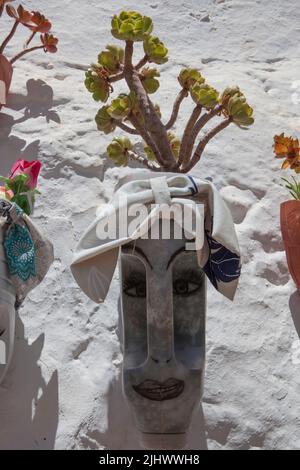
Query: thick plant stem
(126, 128)
(137, 158)
(147, 138)
(26, 51)
(195, 131)
(9, 37)
(187, 135)
(153, 124)
(180, 97)
(202, 144)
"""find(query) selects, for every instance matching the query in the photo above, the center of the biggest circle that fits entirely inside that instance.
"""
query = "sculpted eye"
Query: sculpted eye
(135, 289)
(185, 286)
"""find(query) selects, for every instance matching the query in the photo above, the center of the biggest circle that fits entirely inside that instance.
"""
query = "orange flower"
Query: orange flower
(40, 23)
(287, 148)
(49, 42)
(21, 15)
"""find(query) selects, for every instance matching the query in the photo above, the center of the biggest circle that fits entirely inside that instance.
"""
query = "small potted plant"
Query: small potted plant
(288, 149)
(25, 254)
(36, 23)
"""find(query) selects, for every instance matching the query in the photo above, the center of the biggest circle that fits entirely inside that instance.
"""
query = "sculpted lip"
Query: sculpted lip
(159, 391)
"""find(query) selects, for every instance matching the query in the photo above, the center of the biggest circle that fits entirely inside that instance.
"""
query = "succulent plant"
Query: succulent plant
(112, 58)
(239, 110)
(188, 77)
(35, 22)
(155, 50)
(118, 150)
(131, 26)
(149, 81)
(205, 95)
(121, 107)
(136, 114)
(105, 123)
(97, 84)
(229, 92)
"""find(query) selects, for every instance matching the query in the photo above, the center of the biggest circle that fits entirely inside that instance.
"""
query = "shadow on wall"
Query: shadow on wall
(294, 304)
(28, 405)
(37, 103)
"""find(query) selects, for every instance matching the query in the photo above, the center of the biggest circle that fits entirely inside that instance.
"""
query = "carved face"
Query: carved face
(163, 304)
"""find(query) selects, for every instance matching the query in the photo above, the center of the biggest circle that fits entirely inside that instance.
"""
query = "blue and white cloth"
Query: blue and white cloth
(216, 243)
(28, 254)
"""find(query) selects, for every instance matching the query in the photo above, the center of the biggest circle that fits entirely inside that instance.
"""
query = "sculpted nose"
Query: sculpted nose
(157, 361)
(160, 317)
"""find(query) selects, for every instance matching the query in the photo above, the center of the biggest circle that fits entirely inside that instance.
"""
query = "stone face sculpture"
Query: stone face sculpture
(163, 291)
(163, 306)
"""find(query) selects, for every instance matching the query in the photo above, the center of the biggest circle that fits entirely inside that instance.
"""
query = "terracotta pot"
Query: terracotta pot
(6, 72)
(290, 228)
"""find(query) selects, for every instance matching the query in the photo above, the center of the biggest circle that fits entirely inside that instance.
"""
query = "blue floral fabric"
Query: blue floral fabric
(222, 265)
(20, 250)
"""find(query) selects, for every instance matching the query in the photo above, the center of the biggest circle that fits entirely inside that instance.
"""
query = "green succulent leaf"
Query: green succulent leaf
(105, 123)
(150, 83)
(205, 95)
(118, 150)
(149, 153)
(97, 85)
(112, 58)
(155, 50)
(131, 26)
(240, 111)
(120, 107)
(188, 77)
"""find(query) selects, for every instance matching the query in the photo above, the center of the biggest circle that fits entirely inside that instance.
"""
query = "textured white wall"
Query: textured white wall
(63, 389)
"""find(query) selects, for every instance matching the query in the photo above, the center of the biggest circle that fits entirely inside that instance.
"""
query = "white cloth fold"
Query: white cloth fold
(212, 228)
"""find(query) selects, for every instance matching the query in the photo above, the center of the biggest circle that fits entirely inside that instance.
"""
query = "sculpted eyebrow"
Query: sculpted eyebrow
(182, 249)
(139, 251)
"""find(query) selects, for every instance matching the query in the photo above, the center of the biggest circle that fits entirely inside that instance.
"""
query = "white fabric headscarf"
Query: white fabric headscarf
(216, 243)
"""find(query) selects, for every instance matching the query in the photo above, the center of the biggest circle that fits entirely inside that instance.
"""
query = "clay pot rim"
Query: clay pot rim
(290, 201)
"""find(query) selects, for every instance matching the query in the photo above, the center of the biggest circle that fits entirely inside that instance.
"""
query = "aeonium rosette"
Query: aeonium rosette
(21, 185)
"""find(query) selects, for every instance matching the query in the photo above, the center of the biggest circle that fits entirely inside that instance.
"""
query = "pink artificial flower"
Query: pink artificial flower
(32, 169)
(6, 193)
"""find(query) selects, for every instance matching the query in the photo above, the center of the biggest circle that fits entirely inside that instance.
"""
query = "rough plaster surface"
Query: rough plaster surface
(63, 389)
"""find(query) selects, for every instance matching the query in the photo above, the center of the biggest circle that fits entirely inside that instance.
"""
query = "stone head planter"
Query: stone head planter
(290, 229)
(163, 292)
(163, 307)
(6, 72)
(25, 257)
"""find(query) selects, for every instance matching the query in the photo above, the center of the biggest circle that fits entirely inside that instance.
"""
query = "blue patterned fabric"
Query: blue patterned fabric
(19, 250)
(223, 265)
